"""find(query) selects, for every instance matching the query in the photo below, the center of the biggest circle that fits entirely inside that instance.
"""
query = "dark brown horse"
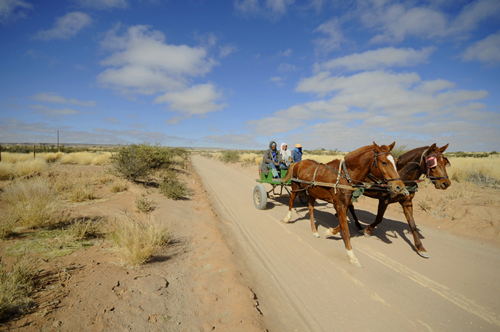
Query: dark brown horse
(428, 160)
(351, 171)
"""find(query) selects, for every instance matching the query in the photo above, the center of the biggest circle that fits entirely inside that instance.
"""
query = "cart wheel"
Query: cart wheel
(304, 198)
(260, 197)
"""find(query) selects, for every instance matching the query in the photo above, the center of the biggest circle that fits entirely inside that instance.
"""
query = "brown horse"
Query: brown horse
(355, 167)
(428, 160)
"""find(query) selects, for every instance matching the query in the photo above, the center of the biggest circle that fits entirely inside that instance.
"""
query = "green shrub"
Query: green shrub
(230, 156)
(172, 187)
(139, 161)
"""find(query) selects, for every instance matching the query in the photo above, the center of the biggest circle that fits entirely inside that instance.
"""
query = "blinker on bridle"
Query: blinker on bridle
(431, 162)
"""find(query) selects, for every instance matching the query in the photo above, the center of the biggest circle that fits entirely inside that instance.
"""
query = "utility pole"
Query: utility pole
(58, 141)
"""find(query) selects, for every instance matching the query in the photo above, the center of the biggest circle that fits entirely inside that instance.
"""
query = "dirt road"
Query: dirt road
(307, 284)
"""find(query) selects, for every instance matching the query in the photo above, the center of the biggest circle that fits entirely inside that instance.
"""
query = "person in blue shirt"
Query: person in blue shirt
(297, 153)
(271, 160)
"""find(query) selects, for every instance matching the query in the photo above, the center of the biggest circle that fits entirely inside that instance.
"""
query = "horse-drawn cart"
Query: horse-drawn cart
(260, 194)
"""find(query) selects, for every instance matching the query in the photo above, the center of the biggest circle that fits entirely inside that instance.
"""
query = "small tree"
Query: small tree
(139, 161)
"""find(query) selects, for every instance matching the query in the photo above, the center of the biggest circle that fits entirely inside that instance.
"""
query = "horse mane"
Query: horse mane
(358, 151)
(411, 156)
(363, 149)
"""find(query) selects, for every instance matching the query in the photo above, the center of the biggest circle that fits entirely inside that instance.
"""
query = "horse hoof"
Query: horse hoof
(316, 234)
(367, 234)
(285, 221)
(355, 262)
(328, 233)
(424, 254)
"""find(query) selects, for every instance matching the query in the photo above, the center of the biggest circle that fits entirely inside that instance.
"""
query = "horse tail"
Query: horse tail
(288, 174)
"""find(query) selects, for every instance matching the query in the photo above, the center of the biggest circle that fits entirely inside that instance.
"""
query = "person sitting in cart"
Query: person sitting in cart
(285, 154)
(271, 160)
(289, 161)
(297, 153)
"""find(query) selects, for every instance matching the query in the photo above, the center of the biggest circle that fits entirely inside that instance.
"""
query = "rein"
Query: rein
(352, 186)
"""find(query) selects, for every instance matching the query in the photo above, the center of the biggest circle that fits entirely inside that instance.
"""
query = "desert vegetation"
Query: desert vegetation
(39, 194)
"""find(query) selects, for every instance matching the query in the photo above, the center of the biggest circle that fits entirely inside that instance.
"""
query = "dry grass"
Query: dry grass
(16, 287)
(144, 204)
(119, 186)
(32, 203)
(79, 191)
(477, 170)
(86, 158)
(136, 242)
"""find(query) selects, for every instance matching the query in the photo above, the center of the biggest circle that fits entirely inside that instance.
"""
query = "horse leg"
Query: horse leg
(314, 230)
(408, 210)
(334, 231)
(342, 214)
(382, 206)
(290, 203)
(355, 217)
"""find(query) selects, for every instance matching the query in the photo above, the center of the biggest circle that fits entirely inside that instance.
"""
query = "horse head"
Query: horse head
(385, 165)
(434, 163)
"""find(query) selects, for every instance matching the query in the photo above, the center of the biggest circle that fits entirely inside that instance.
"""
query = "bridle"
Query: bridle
(431, 162)
(375, 162)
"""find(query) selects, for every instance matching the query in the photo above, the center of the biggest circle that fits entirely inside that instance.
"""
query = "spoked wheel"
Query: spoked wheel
(260, 197)
(304, 198)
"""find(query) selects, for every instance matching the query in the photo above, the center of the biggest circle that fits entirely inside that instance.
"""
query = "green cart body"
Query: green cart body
(260, 194)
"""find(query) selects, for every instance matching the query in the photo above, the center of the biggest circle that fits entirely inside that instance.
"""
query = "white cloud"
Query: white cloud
(10, 10)
(474, 13)
(103, 4)
(198, 99)
(55, 98)
(112, 120)
(231, 140)
(144, 63)
(334, 37)
(397, 22)
(286, 53)
(225, 51)
(279, 81)
(53, 112)
(65, 27)
(384, 107)
(486, 50)
(379, 59)
(284, 67)
(273, 125)
(269, 8)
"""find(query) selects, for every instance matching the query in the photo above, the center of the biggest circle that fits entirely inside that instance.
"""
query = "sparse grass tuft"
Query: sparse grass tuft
(119, 186)
(136, 242)
(16, 287)
(144, 204)
(62, 239)
(32, 203)
(80, 191)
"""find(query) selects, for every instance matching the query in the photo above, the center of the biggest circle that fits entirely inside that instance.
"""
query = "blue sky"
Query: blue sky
(237, 74)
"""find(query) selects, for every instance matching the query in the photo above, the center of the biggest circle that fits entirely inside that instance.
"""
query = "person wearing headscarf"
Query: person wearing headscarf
(271, 160)
(285, 154)
(297, 153)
